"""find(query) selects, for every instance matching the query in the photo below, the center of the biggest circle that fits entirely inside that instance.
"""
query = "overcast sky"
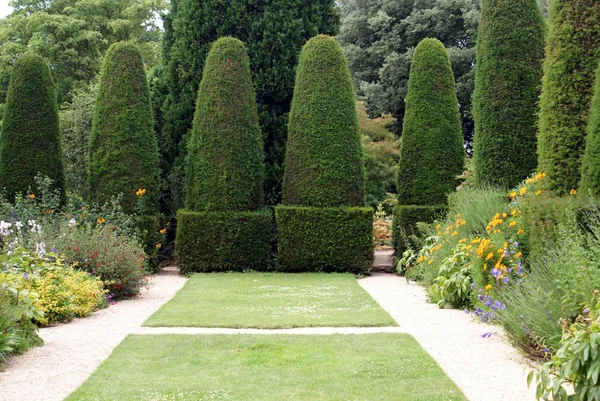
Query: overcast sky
(4, 8)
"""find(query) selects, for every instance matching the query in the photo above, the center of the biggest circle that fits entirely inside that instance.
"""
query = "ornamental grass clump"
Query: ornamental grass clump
(431, 155)
(30, 140)
(510, 50)
(224, 227)
(322, 224)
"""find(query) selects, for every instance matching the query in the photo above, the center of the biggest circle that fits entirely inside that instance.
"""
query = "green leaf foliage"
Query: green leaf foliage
(223, 241)
(510, 50)
(431, 155)
(313, 239)
(405, 233)
(225, 166)
(123, 151)
(572, 56)
(324, 160)
(30, 141)
(590, 170)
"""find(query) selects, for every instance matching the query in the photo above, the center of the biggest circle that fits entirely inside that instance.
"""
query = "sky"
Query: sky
(4, 8)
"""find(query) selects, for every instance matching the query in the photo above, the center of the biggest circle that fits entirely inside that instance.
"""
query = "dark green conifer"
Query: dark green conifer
(572, 56)
(510, 50)
(30, 142)
(590, 169)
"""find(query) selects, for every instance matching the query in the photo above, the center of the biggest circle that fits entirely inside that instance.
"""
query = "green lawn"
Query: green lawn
(270, 300)
(269, 368)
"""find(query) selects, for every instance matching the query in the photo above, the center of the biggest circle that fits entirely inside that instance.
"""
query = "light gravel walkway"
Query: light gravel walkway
(486, 369)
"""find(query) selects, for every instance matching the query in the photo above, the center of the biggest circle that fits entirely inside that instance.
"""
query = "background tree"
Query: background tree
(431, 156)
(273, 33)
(590, 169)
(572, 56)
(510, 50)
(379, 37)
(30, 140)
(123, 154)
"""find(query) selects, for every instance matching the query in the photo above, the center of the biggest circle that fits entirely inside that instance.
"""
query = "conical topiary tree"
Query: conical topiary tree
(223, 228)
(323, 225)
(510, 50)
(30, 141)
(590, 169)
(123, 154)
(431, 155)
(572, 56)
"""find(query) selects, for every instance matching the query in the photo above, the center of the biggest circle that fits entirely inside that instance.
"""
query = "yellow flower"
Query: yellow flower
(421, 259)
(489, 256)
(158, 246)
(140, 192)
(512, 224)
(573, 192)
(521, 231)
(488, 287)
(462, 241)
(504, 214)
(485, 266)
(438, 226)
(430, 261)
(476, 241)
(513, 212)
(454, 233)
(523, 191)
(164, 230)
(539, 176)
(529, 181)
(518, 255)
(512, 195)
(32, 196)
(538, 192)
(101, 220)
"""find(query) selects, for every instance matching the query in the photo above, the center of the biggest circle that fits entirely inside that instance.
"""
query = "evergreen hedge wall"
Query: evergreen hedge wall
(510, 50)
(123, 153)
(590, 170)
(572, 56)
(30, 141)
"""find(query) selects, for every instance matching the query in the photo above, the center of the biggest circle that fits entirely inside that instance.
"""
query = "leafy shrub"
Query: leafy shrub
(572, 56)
(405, 230)
(377, 129)
(221, 241)
(30, 143)
(324, 239)
(510, 50)
(452, 286)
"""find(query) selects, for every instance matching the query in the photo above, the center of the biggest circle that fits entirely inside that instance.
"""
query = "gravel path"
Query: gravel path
(486, 369)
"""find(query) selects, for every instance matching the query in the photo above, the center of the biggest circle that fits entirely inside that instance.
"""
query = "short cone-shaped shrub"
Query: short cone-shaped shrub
(324, 158)
(225, 162)
(572, 56)
(123, 150)
(431, 155)
(510, 50)
(30, 142)
(590, 170)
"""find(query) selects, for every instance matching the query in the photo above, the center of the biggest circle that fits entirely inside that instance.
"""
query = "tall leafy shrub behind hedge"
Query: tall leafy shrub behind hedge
(510, 50)
(572, 56)
(324, 170)
(225, 162)
(123, 154)
(225, 171)
(590, 169)
(30, 141)
(432, 152)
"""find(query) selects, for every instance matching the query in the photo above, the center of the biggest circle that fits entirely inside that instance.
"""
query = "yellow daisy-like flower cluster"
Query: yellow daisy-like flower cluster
(140, 192)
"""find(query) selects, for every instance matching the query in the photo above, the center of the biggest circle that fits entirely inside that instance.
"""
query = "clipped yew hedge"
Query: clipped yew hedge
(312, 239)
(223, 241)
(590, 170)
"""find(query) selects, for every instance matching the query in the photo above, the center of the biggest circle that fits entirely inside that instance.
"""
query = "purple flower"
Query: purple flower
(472, 286)
(486, 335)
(466, 311)
(506, 280)
(53, 250)
(495, 272)
(586, 311)
(26, 276)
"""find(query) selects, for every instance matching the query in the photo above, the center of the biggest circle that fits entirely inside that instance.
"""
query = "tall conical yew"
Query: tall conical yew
(572, 56)
(510, 50)
(30, 142)
(225, 162)
(123, 151)
(324, 159)
(590, 169)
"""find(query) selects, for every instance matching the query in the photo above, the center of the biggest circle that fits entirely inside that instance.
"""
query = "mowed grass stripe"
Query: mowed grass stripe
(262, 368)
(271, 300)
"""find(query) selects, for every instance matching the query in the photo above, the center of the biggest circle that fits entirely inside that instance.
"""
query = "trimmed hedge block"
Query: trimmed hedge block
(324, 239)
(404, 225)
(223, 241)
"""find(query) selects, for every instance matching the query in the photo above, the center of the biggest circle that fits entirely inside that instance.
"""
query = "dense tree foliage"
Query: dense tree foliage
(324, 158)
(30, 140)
(379, 37)
(225, 160)
(273, 33)
(73, 35)
(510, 50)
(123, 154)
(572, 56)
(590, 169)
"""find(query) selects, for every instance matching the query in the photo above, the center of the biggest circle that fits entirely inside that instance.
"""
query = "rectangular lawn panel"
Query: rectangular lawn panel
(271, 300)
(269, 368)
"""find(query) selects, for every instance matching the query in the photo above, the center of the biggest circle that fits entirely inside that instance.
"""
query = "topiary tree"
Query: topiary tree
(510, 50)
(123, 155)
(431, 155)
(324, 169)
(225, 167)
(30, 141)
(572, 56)
(590, 169)
(224, 171)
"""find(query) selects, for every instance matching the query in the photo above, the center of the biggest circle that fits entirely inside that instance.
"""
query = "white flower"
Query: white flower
(19, 225)
(5, 228)
(72, 223)
(40, 249)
